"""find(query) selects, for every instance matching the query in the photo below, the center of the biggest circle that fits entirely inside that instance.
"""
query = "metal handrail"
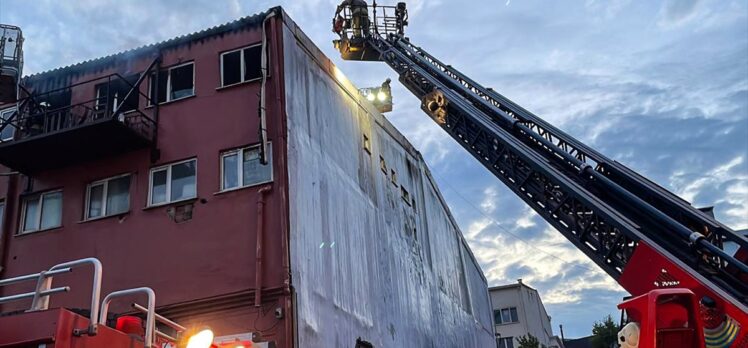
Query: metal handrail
(44, 288)
(150, 322)
(8, 281)
(95, 288)
(166, 321)
(33, 294)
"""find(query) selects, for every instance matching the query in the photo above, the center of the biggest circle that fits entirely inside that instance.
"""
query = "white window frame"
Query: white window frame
(502, 341)
(105, 183)
(501, 315)
(168, 84)
(168, 183)
(6, 113)
(240, 167)
(40, 198)
(242, 67)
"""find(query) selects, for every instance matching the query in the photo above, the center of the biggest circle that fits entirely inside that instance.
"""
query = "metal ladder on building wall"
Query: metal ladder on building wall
(99, 309)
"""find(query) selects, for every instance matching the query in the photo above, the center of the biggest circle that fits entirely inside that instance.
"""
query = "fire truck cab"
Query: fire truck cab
(662, 318)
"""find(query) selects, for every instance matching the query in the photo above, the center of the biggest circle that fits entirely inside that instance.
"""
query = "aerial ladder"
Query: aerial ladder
(11, 62)
(687, 290)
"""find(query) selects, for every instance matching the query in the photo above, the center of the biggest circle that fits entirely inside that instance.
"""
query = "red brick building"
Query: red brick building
(151, 160)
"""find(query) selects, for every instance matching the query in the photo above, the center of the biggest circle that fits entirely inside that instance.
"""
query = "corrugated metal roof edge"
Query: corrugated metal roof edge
(237, 24)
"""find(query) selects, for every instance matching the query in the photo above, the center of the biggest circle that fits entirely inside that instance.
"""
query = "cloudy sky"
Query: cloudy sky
(661, 86)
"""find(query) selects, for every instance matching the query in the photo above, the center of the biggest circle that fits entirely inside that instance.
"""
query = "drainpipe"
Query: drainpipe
(264, 70)
(260, 229)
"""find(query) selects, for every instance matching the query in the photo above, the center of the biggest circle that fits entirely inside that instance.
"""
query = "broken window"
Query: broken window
(9, 131)
(110, 96)
(173, 83)
(242, 168)
(241, 65)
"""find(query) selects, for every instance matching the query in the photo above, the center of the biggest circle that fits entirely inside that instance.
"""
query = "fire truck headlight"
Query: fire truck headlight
(202, 339)
(382, 96)
(370, 96)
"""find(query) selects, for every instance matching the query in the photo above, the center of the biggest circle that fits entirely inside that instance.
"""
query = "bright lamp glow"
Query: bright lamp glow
(381, 96)
(370, 96)
(202, 339)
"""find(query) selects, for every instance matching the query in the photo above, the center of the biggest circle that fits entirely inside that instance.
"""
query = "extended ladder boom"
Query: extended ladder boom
(638, 232)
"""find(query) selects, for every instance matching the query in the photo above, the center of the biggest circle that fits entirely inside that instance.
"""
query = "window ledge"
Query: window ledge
(167, 204)
(172, 101)
(505, 324)
(240, 188)
(22, 234)
(119, 215)
(221, 88)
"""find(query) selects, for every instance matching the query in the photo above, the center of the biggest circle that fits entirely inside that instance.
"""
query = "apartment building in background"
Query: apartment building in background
(239, 174)
(519, 311)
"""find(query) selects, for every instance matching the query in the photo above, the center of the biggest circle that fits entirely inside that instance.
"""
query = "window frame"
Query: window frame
(151, 98)
(39, 196)
(8, 111)
(168, 167)
(501, 315)
(502, 342)
(242, 67)
(240, 167)
(105, 197)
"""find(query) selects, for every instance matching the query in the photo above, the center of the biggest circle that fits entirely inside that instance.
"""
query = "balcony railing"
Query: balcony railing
(49, 131)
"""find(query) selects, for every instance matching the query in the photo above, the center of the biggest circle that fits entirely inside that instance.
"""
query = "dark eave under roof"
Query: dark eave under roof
(144, 51)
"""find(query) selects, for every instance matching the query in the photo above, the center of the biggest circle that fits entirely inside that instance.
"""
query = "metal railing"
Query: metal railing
(379, 20)
(11, 49)
(35, 117)
(42, 292)
(99, 310)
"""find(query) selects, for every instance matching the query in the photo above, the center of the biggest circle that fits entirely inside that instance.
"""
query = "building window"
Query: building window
(174, 83)
(241, 65)
(242, 168)
(110, 96)
(393, 177)
(172, 183)
(9, 131)
(367, 144)
(505, 315)
(108, 197)
(383, 165)
(405, 195)
(41, 211)
(506, 342)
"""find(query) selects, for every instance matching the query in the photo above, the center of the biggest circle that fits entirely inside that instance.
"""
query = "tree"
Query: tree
(605, 333)
(528, 341)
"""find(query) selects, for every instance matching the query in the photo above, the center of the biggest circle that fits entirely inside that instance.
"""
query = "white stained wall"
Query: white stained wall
(533, 318)
(368, 259)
